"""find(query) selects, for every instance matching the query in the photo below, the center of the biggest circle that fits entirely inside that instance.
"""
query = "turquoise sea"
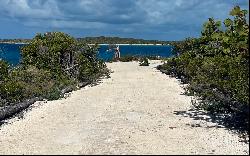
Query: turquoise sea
(11, 52)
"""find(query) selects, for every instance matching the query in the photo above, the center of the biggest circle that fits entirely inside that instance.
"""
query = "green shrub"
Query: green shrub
(3, 70)
(50, 51)
(11, 91)
(216, 65)
(144, 62)
(51, 63)
(128, 58)
(62, 55)
(53, 94)
(36, 82)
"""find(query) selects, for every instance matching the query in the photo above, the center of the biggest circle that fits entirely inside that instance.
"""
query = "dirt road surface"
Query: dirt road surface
(138, 110)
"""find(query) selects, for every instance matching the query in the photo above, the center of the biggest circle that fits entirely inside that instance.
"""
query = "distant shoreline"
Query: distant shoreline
(98, 44)
(13, 43)
(132, 44)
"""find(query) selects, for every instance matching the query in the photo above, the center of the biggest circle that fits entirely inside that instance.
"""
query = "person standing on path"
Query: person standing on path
(117, 52)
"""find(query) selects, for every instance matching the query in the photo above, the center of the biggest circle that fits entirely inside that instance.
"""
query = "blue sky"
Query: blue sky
(147, 19)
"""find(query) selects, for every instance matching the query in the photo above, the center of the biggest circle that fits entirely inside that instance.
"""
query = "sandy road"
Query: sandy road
(136, 111)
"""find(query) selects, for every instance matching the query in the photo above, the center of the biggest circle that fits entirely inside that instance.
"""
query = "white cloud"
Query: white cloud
(117, 16)
(30, 9)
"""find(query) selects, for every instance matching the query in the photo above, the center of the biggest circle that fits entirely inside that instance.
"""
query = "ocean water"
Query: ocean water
(137, 50)
(11, 52)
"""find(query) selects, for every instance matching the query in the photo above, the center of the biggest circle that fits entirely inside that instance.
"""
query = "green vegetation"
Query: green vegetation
(15, 40)
(144, 61)
(116, 40)
(216, 66)
(128, 58)
(51, 63)
(101, 40)
(3, 70)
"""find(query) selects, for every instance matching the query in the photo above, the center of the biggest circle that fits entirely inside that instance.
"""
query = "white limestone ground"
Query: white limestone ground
(133, 112)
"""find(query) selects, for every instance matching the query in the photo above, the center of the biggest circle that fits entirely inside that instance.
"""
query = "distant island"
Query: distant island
(13, 41)
(118, 40)
(103, 40)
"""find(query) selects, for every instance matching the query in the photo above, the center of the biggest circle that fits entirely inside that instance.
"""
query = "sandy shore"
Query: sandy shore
(137, 111)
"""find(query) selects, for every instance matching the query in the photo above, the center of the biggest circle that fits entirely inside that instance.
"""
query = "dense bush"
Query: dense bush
(62, 55)
(28, 83)
(89, 66)
(11, 92)
(50, 63)
(144, 61)
(216, 65)
(3, 70)
(127, 58)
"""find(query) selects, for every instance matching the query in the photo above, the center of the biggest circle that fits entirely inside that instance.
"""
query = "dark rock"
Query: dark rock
(10, 110)
(67, 90)
(83, 84)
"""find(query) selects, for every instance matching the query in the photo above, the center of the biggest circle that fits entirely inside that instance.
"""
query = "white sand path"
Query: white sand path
(133, 112)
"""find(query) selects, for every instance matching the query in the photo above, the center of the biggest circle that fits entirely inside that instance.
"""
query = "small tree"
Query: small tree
(52, 51)
(3, 70)
(62, 55)
(144, 61)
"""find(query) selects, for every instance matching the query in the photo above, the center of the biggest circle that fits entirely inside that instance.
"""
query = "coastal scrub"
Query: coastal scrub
(216, 66)
(52, 63)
